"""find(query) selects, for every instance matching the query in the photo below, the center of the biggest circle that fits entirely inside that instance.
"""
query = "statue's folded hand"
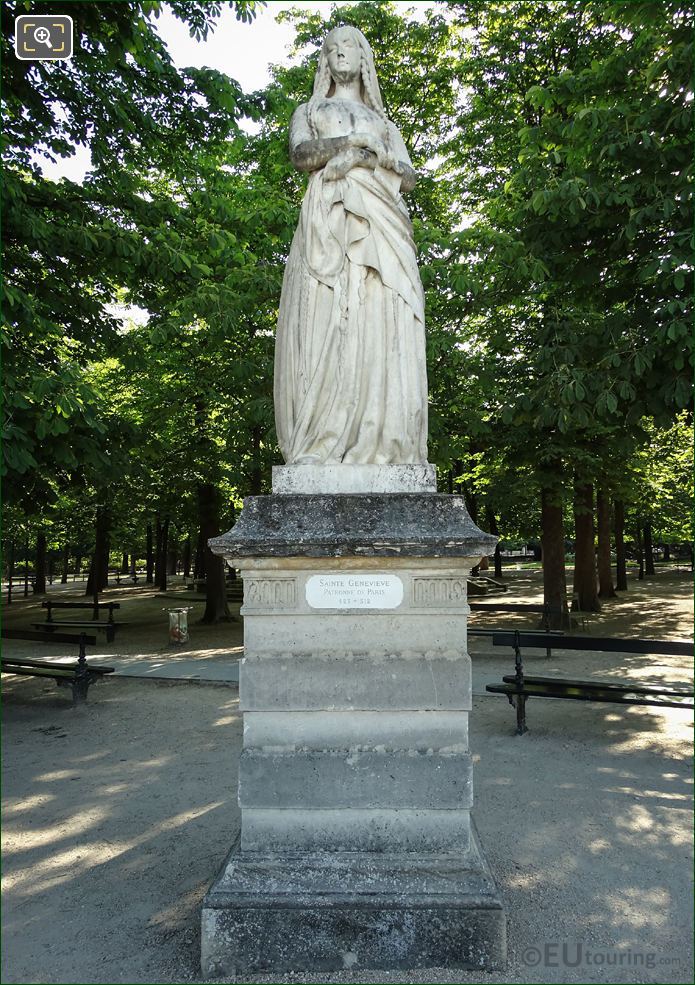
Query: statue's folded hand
(368, 141)
(337, 167)
(340, 164)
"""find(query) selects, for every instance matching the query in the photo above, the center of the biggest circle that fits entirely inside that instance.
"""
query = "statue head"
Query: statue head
(346, 53)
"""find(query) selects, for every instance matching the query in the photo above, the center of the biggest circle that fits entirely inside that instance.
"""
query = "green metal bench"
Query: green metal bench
(518, 687)
(78, 676)
(93, 624)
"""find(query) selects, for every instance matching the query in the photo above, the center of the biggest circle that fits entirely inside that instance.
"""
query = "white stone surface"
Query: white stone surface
(328, 682)
(438, 730)
(351, 830)
(369, 708)
(364, 778)
(350, 371)
(316, 479)
(431, 619)
(358, 590)
(359, 633)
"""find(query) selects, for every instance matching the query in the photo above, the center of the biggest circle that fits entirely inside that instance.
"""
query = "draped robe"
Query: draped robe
(350, 374)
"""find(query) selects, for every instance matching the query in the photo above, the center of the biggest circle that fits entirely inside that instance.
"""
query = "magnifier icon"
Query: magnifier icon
(43, 36)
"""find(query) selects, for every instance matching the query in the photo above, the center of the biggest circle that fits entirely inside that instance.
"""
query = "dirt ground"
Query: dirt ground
(118, 814)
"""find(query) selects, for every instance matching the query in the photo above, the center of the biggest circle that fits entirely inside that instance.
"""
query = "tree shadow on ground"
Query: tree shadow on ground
(117, 816)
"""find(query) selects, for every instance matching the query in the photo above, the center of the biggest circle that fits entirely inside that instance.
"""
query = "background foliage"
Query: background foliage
(553, 220)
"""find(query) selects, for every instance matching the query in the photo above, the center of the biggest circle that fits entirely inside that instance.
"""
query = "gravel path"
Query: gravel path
(118, 815)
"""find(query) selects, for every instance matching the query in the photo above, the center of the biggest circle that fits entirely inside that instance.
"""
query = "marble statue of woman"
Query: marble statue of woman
(350, 375)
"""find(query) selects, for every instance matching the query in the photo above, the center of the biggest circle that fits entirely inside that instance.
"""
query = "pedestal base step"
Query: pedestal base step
(312, 479)
(327, 912)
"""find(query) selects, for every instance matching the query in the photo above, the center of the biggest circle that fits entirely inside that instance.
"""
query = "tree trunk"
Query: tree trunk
(216, 608)
(455, 488)
(199, 567)
(10, 573)
(187, 557)
(124, 564)
(471, 501)
(92, 589)
(640, 553)
(648, 549)
(585, 582)
(106, 553)
(157, 549)
(667, 552)
(494, 529)
(26, 566)
(98, 572)
(172, 554)
(161, 559)
(553, 542)
(40, 566)
(603, 526)
(66, 565)
(619, 534)
(149, 557)
(498, 561)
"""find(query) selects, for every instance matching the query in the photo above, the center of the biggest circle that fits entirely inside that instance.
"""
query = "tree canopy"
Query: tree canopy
(553, 221)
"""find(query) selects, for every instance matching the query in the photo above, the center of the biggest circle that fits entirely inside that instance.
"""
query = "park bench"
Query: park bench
(543, 610)
(518, 687)
(485, 585)
(109, 627)
(131, 576)
(78, 676)
(199, 585)
(234, 589)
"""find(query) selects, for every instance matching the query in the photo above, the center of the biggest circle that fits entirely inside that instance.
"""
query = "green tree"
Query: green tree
(69, 248)
(551, 154)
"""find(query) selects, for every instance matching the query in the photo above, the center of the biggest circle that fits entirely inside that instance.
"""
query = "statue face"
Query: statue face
(344, 54)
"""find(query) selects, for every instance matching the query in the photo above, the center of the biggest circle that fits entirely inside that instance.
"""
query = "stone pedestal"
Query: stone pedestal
(357, 848)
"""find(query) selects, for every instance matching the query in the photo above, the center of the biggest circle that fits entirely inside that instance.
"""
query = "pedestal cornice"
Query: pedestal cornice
(361, 525)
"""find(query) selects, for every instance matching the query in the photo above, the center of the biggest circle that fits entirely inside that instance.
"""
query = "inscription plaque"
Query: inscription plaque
(354, 591)
(269, 592)
(439, 591)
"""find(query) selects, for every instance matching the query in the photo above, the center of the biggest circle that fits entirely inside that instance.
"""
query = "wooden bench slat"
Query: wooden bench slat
(555, 633)
(103, 627)
(518, 687)
(27, 662)
(78, 675)
(43, 637)
(673, 648)
(55, 672)
(49, 603)
(605, 685)
(507, 607)
(607, 696)
(91, 623)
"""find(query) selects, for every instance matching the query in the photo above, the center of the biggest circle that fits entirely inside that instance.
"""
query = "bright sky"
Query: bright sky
(243, 51)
